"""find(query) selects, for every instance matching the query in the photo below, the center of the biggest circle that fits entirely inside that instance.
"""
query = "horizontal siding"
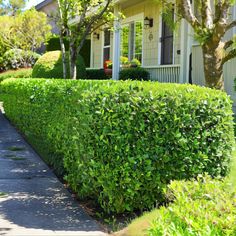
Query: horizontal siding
(198, 72)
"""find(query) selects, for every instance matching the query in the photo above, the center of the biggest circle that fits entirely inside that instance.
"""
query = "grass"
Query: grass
(14, 157)
(2, 194)
(16, 149)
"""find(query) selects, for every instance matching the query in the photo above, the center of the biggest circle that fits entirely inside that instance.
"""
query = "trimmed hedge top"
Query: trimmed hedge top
(50, 66)
(121, 143)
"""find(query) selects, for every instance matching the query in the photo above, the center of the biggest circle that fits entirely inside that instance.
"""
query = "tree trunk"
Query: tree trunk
(213, 66)
(73, 58)
(63, 52)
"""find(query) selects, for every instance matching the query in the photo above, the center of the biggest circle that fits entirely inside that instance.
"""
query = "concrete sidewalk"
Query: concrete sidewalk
(34, 202)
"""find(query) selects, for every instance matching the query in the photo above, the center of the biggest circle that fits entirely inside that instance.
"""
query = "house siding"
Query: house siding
(151, 36)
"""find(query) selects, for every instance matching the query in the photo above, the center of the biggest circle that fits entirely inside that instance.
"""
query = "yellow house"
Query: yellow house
(143, 34)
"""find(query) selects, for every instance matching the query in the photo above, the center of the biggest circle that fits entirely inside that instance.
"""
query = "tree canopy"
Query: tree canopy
(27, 30)
(11, 7)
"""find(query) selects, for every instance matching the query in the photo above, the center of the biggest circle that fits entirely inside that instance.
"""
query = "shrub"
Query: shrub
(50, 66)
(17, 58)
(134, 74)
(53, 44)
(121, 143)
(21, 73)
(203, 207)
(96, 74)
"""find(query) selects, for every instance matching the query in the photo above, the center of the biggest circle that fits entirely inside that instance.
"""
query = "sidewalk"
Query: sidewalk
(34, 202)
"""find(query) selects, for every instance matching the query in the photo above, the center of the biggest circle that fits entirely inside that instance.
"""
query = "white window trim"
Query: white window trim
(128, 20)
(103, 46)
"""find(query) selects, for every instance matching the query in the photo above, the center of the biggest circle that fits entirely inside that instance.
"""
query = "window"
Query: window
(107, 45)
(131, 40)
(167, 41)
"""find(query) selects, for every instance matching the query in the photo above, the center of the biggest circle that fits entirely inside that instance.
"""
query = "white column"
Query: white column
(91, 52)
(185, 52)
(116, 45)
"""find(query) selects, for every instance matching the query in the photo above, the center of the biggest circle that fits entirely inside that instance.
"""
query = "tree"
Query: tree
(79, 19)
(210, 21)
(27, 31)
(11, 7)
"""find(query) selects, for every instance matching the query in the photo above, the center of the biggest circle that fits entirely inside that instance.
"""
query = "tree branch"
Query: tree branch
(185, 10)
(230, 55)
(231, 25)
(228, 44)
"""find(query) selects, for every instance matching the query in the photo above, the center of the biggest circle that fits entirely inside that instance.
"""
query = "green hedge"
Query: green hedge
(201, 208)
(121, 143)
(20, 73)
(53, 44)
(96, 74)
(136, 73)
(50, 66)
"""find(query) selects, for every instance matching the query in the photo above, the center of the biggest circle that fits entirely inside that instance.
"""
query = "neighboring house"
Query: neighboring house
(49, 7)
(143, 34)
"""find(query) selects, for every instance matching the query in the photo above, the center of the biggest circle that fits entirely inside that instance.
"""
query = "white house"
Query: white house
(143, 34)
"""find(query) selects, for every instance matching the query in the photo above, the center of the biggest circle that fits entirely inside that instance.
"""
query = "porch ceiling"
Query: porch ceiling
(127, 3)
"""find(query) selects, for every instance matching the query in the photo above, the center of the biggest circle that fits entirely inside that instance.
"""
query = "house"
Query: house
(143, 34)
(49, 7)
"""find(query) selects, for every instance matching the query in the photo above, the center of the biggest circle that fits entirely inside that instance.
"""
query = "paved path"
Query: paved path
(36, 203)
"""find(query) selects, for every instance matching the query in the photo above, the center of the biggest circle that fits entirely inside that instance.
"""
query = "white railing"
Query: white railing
(165, 73)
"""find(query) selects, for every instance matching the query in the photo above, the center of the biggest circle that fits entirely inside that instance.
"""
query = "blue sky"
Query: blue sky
(33, 3)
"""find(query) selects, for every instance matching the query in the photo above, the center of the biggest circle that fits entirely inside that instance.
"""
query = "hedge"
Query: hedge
(121, 143)
(20, 73)
(53, 44)
(136, 73)
(96, 74)
(50, 66)
(203, 207)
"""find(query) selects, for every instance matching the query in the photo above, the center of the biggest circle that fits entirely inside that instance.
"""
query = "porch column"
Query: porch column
(116, 45)
(185, 52)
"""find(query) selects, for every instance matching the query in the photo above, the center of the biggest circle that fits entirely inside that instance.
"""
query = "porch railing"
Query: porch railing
(165, 73)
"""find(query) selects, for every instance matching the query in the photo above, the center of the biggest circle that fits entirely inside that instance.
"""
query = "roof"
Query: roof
(43, 4)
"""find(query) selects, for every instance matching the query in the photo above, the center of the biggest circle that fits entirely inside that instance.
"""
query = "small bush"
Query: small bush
(50, 66)
(96, 74)
(134, 74)
(21, 73)
(53, 44)
(17, 58)
(200, 208)
(121, 143)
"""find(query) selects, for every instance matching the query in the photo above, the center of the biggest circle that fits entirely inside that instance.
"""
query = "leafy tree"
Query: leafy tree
(27, 31)
(210, 21)
(78, 19)
(12, 6)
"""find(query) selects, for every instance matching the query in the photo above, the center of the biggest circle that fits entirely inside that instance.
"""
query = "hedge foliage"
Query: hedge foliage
(50, 66)
(200, 208)
(53, 44)
(121, 143)
(136, 73)
(96, 74)
(21, 73)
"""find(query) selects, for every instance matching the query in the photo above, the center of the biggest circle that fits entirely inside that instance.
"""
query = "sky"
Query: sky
(32, 3)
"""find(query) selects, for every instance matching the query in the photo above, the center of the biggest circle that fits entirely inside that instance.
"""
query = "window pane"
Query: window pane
(138, 40)
(167, 40)
(125, 41)
(106, 54)
(107, 37)
(131, 41)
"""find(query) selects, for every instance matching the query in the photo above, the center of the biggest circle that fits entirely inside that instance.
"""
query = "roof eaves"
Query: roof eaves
(43, 4)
